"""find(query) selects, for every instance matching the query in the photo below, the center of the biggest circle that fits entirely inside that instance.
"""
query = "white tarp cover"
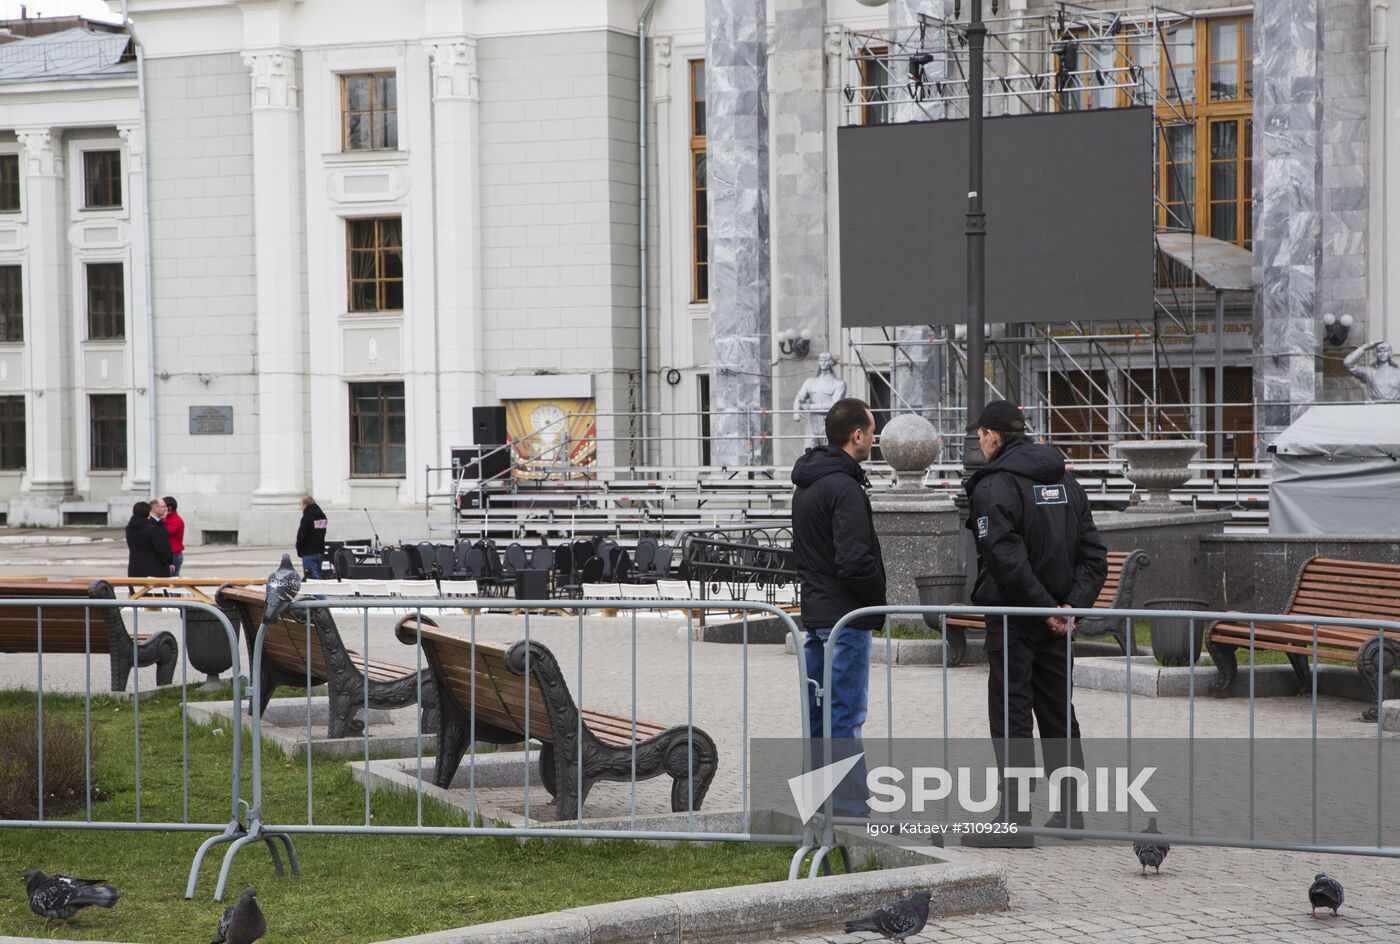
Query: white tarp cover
(1336, 470)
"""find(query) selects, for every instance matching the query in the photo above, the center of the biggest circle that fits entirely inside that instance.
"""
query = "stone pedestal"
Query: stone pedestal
(918, 534)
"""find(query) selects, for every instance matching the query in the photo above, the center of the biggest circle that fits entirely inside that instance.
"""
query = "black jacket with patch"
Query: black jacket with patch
(1036, 540)
(311, 533)
(834, 545)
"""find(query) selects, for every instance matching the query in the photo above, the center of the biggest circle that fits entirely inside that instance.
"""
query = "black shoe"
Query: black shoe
(1057, 821)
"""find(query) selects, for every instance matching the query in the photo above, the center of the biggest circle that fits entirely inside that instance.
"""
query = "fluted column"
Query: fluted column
(736, 122)
(281, 323)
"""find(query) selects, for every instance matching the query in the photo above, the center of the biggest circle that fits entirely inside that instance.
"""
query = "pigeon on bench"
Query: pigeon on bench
(242, 923)
(896, 920)
(1151, 853)
(59, 897)
(1325, 892)
(283, 585)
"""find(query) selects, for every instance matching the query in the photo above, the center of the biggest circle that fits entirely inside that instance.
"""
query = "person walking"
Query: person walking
(1036, 546)
(311, 538)
(175, 527)
(837, 556)
(147, 544)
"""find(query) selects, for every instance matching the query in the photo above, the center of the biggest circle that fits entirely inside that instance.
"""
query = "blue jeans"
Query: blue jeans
(311, 565)
(178, 560)
(850, 688)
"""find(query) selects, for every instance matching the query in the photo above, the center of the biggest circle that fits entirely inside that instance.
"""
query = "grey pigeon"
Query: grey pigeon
(283, 585)
(60, 896)
(1325, 892)
(242, 923)
(1151, 853)
(896, 920)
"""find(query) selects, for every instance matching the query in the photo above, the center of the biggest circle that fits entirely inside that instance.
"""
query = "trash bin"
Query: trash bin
(1175, 641)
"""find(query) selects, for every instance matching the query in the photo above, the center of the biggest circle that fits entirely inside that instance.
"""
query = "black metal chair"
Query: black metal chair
(399, 563)
(622, 566)
(661, 563)
(607, 552)
(516, 559)
(646, 552)
(446, 560)
(592, 571)
(427, 553)
(344, 561)
(542, 558)
(563, 568)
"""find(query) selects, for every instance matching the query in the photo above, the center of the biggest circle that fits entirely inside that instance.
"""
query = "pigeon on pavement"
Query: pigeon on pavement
(896, 920)
(1151, 853)
(242, 923)
(1325, 892)
(60, 896)
(283, 585)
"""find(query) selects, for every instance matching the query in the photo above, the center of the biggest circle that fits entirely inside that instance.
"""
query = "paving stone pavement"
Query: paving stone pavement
(1088, 894)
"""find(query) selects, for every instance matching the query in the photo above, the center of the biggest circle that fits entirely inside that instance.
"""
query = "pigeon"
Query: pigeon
(1325, 892)
(242, 923)
(60, 896)
(1151, 853)
(283, 585)
(896, 920)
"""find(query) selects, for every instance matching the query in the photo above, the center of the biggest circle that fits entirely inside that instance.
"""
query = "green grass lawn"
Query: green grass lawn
(352, 888)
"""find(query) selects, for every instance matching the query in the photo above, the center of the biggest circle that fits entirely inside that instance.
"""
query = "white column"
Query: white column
(281, 322)
(47, 339)
(1383, 322)
(140, 395)
(457, 237)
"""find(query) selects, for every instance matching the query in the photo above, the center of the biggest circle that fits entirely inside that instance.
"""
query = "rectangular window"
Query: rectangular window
(11, 433)
(704, 380)
(377, 430)
(375, 264)
(106, 301)
(699, 187)
(9, 183)
(11, 304)
(875, 81)
(108, 432)
(102, 179)
(369, 111)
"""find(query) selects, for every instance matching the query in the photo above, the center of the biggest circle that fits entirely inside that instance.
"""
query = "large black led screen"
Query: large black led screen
(1068, 198)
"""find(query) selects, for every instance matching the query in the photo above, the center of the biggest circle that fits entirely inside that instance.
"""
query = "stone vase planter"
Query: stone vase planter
(1175, 641)
(1157, 466)
(206, 646)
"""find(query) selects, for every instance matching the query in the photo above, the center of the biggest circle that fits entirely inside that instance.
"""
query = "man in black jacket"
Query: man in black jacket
(147, 544)
(1036, 546)
(837, 556)
(311, 538)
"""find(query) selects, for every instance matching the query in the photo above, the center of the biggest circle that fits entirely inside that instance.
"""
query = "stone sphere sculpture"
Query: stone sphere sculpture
(909, 444)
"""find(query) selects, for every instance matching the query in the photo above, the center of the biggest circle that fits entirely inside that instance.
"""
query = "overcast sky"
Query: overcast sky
(93, 9)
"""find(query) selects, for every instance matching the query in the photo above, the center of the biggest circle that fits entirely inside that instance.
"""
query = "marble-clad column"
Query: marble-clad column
(736, 123)
(281, 323)
(1287, 225)
(47, 332)
(797, 87)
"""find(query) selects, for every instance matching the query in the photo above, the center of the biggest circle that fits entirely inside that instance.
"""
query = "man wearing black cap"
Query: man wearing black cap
(1036, 546)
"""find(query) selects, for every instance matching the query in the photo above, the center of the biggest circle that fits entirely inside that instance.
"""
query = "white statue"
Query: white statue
(1382, 378)
(816, 397)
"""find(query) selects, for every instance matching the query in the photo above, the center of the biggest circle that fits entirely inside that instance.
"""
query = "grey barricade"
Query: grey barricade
(68, 634)
(517, 682)
(1241, 774)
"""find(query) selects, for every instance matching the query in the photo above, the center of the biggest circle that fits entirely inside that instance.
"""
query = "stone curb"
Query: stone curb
(745, 912)
(1270, 681)
(284, 727)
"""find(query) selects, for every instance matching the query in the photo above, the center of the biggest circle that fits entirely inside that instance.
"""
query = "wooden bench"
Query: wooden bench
(76, 629)
(1116, 593)
(343, 670)
(1325, 587)
(499, 718)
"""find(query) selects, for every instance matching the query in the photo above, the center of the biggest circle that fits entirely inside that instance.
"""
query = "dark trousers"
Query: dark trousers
(1028, 686)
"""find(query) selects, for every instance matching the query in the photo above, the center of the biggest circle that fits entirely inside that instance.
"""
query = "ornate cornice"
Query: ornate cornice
(273, 73)
(453, 69)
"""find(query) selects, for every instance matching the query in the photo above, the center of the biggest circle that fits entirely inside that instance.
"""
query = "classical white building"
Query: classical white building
(279, 247)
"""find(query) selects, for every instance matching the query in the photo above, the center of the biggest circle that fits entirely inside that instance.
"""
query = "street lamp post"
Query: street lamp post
(976, 238)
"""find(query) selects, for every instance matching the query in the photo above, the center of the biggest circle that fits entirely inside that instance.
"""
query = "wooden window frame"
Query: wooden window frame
(375, 108)
(383, 392)
(105, 321)
(12, 434)
(876, 102)
(107, 450)
(380, 250)
(100, 193)
(11, 304)
(11, 193)
(699, 190)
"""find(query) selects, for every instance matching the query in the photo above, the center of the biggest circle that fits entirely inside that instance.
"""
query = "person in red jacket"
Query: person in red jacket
(175, 525)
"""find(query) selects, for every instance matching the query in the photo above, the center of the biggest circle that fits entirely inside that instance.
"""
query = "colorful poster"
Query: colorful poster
(553, 437)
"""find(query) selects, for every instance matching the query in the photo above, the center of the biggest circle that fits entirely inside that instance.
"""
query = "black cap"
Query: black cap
(1002, 416)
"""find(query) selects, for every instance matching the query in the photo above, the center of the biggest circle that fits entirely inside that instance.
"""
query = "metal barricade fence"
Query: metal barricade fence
(260, 826)
(821, 840)
(49, 609)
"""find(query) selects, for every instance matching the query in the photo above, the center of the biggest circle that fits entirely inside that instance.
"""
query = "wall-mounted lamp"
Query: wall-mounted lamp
(1335, 330)
(795, 345)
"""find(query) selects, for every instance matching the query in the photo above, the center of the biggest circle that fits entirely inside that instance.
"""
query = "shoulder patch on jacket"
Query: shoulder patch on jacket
(983, 526)
(1050, 495)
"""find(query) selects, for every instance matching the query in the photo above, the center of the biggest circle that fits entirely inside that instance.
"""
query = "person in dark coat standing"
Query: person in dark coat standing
(837, 556)
(147, 544)
(311, 538)
(1036, 546)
